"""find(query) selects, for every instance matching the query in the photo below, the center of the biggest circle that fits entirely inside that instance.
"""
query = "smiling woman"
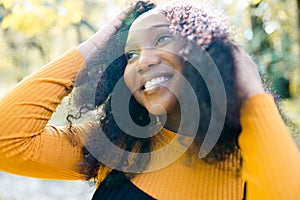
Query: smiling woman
(153, 68)
(169, 107)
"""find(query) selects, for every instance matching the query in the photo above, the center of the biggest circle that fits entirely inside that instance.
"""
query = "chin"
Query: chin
(161, 108)
(157, 109)
(162, 102)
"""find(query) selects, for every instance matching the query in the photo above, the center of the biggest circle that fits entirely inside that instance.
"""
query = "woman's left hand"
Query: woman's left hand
(248, 81)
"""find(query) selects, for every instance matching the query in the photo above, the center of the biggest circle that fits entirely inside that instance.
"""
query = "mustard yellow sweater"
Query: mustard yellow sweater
(30, 147)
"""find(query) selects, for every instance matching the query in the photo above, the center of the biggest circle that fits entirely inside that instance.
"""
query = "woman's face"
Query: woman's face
(154, 69)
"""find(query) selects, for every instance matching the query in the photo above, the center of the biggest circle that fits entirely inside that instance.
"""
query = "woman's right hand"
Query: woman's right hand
(100, 38)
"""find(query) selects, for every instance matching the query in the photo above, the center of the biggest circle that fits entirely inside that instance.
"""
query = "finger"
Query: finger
(247, 59)
(124, 13)
(242, 57)
(115, 24)
(247, 77)
(118, 20)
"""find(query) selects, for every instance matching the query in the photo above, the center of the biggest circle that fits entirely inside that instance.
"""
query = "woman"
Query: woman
(170, 58)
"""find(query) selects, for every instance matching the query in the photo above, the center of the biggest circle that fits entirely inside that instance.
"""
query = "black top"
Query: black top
(116, 186)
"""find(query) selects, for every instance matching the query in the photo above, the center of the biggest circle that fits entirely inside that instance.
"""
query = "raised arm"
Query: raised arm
(271, 158)
(28, 146)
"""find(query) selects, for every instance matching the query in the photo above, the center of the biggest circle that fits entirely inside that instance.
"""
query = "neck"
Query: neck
(173, 119)
(172, 123)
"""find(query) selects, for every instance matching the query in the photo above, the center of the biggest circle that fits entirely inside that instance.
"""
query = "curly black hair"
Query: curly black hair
(220, 50)
(109, 77)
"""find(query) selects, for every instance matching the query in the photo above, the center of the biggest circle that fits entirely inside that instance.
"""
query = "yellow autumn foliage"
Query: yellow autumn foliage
(29, 23)
(31, 17)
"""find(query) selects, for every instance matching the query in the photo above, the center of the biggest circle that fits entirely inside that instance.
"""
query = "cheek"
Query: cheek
(129, 78)
(131, 83)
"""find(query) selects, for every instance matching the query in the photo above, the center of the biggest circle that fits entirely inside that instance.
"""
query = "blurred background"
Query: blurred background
(33, 32)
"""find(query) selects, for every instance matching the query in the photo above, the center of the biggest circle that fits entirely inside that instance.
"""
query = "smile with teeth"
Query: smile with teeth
(155, 83)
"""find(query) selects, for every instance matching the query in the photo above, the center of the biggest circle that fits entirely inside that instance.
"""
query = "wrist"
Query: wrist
(86, 49)
(253, 93)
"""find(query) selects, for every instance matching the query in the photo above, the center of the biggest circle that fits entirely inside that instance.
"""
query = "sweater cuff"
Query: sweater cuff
(259, 100)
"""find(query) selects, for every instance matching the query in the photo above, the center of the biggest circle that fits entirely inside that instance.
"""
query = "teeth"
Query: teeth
(155, 82)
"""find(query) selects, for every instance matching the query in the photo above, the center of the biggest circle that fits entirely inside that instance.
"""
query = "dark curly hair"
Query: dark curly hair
(220, 50)
(107, 81)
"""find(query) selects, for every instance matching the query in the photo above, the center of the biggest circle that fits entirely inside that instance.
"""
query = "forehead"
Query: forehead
(149, 19)
(146, 26)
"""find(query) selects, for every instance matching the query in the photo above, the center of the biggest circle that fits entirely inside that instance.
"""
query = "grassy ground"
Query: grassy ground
(14, 187)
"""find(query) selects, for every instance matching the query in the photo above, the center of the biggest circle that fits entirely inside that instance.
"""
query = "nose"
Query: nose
(148, 58)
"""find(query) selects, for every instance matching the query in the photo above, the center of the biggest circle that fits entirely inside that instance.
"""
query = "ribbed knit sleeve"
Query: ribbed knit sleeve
(272, 160)
(27, 146)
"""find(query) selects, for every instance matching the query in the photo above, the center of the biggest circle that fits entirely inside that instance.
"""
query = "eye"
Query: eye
(163, 38)
(131, 54)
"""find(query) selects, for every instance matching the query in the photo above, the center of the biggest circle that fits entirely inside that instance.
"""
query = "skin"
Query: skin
(246, 72)
(98, 40)
(151, 53)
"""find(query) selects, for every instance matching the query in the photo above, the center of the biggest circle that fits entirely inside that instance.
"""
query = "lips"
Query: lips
(152, 83)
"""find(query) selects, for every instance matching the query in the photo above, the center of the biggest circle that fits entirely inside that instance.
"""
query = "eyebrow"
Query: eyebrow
(154, 26)
(160, 25)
